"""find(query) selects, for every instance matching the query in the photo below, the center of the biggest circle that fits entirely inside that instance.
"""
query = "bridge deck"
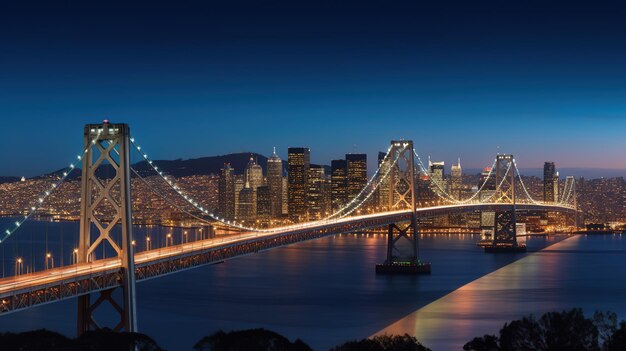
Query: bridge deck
(27, 290)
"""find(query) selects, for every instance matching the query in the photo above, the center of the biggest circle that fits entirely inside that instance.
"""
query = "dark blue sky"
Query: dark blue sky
(544, 80)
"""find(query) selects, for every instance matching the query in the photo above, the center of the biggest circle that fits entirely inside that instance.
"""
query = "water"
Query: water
(582, 271)
(325, 291)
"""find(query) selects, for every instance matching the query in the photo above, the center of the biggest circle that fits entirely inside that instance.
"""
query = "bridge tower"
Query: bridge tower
(108, 149)
(505, 231)
(402, 256)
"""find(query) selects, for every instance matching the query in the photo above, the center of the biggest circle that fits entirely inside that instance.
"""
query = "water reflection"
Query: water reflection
(576, 272)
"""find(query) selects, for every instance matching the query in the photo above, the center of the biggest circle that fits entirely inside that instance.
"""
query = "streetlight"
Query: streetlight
(148, 245)
(185, 234)
(169, 240)
(49, 261)
(75, 256)
(19, 264)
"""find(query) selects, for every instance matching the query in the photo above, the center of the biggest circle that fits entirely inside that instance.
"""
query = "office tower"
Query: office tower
(437, 174)
(550, 183)
(264, 204)
(247, 205)
(456, 180)
(226, 192)
(338, 184)
(298, 162)
(285, 207)
(254, 174)
(317, 193)
(356, 174)
(383, 188)
(239, 184)
(275, 184)
(488, 187)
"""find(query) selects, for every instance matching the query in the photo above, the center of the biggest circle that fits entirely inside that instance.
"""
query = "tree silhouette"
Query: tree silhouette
(384, 343)
(249, 340)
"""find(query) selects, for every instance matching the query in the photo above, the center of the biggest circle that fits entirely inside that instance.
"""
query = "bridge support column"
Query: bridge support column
(107, 144)
(402, 259)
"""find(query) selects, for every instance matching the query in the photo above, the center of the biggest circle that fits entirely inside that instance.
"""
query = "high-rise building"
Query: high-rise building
(356, 174)
(239, 184)
(226, 192)
(254, 174)
(383, 189)
(338, 184)
(299, 161)
(550, 183)
(437, 174)
(285, 203)
(456, 180)
(487, 188)
(263, 204)
(318, 193)
(275, 184)
(247, 205)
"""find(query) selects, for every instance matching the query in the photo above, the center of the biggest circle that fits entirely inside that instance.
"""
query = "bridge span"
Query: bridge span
(28, 290)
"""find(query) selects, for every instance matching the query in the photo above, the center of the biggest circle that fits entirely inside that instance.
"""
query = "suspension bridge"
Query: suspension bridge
(92, 277)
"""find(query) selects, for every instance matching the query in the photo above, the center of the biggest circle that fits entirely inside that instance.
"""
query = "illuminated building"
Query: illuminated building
(263, 204)
(318, 193)
(226, 188)
(338, 184)
(383, 189)
(247, 204)
(356, 174)
(550, 183)
(275, 184)
(456, 180)
(254, 174)
(298, 162)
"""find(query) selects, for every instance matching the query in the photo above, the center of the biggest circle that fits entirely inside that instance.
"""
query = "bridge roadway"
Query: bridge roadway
(28, 290)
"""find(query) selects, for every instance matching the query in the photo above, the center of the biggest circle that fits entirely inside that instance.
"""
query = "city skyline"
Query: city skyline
(224, 78)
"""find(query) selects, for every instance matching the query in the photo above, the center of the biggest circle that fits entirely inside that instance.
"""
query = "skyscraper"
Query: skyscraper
(254, 174)
(317, 193)
(383, 188)
(226, 192)
(437, 175)
(239, 184)
(456, 180)
(550, 183)
(338, 184)
(263, 204)
(247, 205)
(356, 174)
(299, 160)
(275, 184)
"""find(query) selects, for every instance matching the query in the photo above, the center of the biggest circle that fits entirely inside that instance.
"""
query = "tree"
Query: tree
(106, 340)
(485, 343)
(384, 343)
(554, 331)
(249, 340)
(33, 341)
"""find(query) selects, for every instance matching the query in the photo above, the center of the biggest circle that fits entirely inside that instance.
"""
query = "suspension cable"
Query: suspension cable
(42, 197)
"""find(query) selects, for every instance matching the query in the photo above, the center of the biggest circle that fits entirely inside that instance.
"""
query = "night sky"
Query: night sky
(540, 79)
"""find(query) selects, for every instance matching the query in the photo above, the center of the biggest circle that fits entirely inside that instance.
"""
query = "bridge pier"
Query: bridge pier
(400, 259)
(398, 263)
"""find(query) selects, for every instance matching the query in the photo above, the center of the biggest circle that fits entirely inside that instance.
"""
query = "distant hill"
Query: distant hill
(180, 167)
(9, 179)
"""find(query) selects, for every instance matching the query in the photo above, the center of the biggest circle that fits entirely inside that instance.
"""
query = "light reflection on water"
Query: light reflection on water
(581, 271)
(323, 291)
